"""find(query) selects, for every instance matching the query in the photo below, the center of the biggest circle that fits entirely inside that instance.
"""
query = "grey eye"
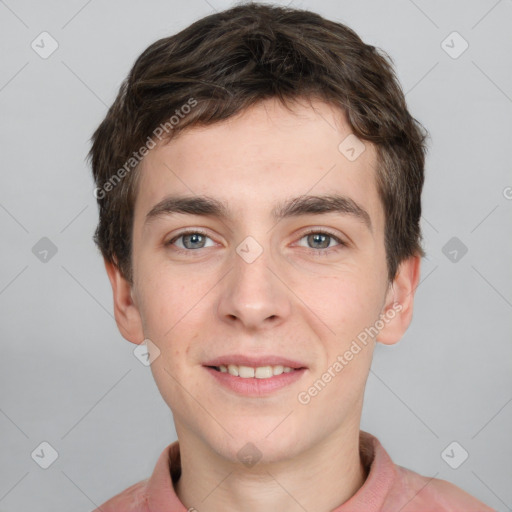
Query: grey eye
(193, 240)
(319, 240)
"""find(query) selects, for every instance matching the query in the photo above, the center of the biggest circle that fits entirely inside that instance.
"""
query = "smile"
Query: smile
(248, 372)
(258, 382)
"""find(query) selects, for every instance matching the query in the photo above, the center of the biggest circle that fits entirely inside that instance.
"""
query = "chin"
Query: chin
(257, 442)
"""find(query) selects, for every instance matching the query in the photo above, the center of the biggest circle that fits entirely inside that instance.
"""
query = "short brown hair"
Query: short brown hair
(228, 61)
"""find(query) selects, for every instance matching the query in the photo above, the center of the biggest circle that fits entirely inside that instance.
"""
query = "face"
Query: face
(258, 243)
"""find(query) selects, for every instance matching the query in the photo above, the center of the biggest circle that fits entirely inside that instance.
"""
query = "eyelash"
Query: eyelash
(315, 252)
(321, 252)
(185, 233)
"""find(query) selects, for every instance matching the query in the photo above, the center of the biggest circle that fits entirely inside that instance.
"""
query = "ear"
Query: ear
(126, 312)
(397, 311)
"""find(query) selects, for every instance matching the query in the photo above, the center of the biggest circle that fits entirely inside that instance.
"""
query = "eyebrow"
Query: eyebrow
(294, 207)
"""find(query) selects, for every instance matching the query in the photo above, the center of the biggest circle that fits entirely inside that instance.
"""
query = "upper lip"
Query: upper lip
(254, 361)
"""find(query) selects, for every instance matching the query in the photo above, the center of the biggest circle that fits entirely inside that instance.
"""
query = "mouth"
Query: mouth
(255, 376)
(250, 372)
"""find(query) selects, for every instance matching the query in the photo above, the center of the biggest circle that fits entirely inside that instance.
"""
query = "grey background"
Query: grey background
(69, 378)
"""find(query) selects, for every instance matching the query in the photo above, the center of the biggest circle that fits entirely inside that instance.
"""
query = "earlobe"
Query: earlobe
(126, 311)
(397, 312)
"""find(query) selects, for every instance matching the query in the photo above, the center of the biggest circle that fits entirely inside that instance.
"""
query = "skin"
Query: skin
(297, 300)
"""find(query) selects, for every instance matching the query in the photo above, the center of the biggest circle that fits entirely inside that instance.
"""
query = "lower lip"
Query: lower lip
(253, 386)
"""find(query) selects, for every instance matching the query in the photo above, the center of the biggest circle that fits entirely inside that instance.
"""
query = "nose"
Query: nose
(252, 296)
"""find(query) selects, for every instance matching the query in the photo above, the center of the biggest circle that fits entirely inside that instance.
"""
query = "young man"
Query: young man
(259, 181)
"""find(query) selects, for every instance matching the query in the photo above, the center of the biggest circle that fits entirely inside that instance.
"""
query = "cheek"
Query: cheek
(163, 302)
(172, 309)
(345, 303)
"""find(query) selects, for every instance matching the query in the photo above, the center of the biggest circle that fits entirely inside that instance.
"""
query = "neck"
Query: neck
(320, 479)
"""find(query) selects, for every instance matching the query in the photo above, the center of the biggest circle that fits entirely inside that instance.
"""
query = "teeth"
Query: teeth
(261, 372)
(246, 372)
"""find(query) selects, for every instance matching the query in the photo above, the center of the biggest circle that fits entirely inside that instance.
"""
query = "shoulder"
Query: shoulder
(132, 499)
(433, 494)
(394, 487)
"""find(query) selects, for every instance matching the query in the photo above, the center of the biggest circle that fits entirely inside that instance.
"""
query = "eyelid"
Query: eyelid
(311, 230)
(324, 231)
(189, 231)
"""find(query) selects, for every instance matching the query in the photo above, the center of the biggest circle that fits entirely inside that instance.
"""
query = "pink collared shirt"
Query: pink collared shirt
(388, 488)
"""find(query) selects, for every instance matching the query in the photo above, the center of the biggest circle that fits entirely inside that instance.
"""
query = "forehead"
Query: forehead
(255, 161)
